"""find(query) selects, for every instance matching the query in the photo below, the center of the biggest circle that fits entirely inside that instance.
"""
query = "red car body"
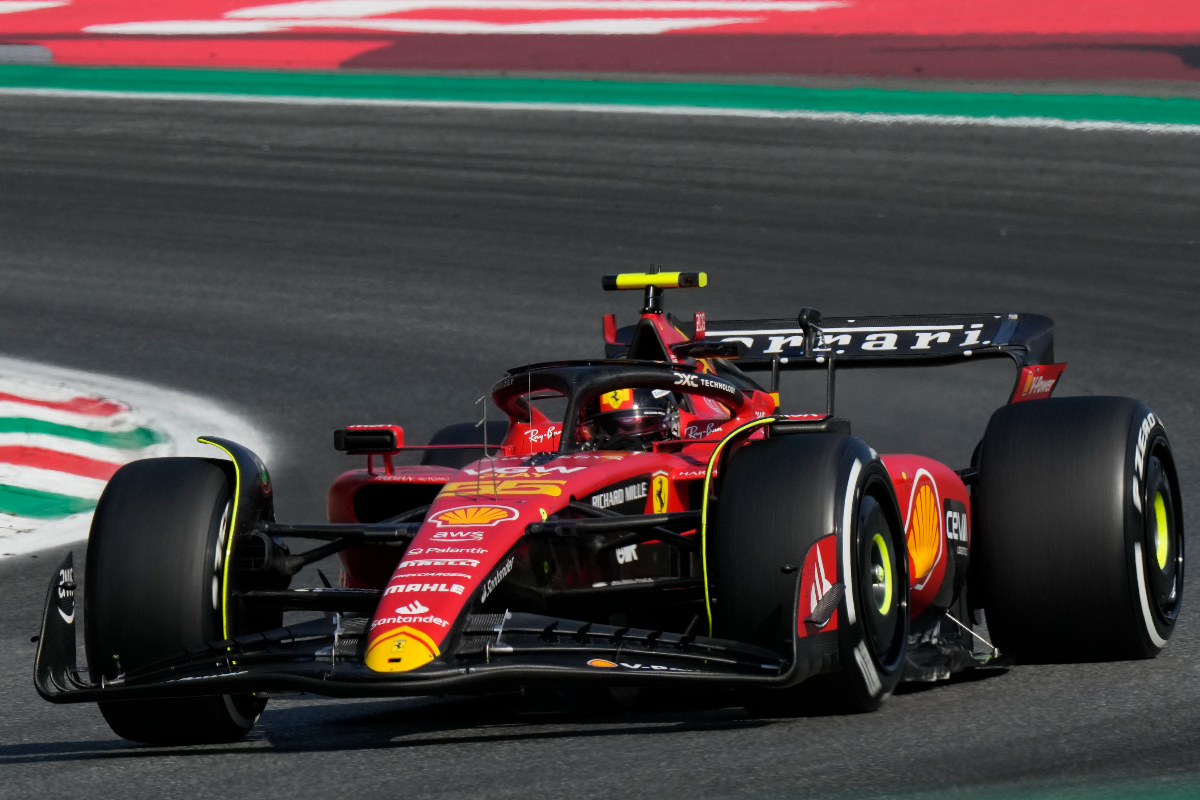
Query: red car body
(470, 538)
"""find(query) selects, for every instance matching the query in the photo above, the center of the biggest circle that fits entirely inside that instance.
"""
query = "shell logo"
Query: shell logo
(600, 662)
(477, 516)
(924, 531)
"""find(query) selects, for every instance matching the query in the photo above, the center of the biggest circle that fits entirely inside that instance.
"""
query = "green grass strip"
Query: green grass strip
(41, 505)
(1105, 108)
(125, 440)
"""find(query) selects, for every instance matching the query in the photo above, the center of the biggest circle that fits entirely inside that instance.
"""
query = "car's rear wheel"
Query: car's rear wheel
(155, 586)
(779, 497)
(1079, 535)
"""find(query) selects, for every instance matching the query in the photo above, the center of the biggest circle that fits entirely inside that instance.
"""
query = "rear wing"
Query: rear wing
(788, 344)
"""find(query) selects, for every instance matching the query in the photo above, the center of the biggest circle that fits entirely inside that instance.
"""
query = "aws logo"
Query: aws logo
(458, 536)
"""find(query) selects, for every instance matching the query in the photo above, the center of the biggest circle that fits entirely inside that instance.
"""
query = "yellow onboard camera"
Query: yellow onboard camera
(657, 280)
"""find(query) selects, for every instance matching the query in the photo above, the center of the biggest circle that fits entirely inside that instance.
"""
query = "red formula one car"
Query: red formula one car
(666, 526)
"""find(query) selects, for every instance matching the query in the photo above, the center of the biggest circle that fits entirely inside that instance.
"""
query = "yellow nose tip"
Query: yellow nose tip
(401, 651)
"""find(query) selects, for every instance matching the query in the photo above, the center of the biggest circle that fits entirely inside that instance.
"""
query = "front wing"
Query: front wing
(491, 651)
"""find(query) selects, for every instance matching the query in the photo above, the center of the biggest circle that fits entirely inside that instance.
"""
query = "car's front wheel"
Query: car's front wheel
(779, 498)
(154, 586)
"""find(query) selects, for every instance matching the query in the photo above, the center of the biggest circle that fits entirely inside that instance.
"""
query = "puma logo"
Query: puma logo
(414, 607)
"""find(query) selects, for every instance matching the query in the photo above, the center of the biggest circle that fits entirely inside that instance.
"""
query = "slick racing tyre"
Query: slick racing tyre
(778, 497)
(153, 587)
(1079, 532)
(463, 433)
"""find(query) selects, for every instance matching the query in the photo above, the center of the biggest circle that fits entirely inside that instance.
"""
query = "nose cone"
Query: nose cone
(401, 650)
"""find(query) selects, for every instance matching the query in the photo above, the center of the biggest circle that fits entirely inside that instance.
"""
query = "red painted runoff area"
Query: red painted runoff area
(58, 461)
(90, 406)
(1157, 39)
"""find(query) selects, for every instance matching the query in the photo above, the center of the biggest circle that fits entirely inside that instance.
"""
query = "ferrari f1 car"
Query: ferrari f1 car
(666, 527)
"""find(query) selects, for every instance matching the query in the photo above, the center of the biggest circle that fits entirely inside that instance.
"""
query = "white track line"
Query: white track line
(23, 387)
(17, 6)
(845, 117)
(48, 480)
(228, 27)
(343, 9)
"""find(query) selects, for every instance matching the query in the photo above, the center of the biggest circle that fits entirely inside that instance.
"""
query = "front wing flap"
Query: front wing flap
(324, 657)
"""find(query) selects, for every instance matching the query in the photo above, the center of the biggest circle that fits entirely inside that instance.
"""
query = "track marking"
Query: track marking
(843, 117)
(17, 6)
(578, 27)
(64, 432)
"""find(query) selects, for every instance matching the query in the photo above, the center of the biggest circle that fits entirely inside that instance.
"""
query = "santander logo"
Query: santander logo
(415, 607)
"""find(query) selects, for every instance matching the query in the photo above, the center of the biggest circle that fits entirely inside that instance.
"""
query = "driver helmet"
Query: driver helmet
(633, 412)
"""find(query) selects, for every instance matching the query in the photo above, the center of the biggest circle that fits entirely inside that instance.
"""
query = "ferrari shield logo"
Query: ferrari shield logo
(660, 494)
(616, 401)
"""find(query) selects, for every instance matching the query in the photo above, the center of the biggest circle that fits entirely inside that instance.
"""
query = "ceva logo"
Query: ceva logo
(415, 607)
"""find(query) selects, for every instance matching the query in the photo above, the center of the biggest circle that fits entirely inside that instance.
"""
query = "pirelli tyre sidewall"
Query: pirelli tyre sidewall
(1154, 512)
(1079, 545)
(872, 645)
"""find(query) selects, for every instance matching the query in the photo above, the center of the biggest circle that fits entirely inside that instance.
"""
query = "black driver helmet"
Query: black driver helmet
(642, 413)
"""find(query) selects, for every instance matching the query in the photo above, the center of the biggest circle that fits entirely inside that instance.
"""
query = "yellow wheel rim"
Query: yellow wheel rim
(884, 603)
(1162, 535)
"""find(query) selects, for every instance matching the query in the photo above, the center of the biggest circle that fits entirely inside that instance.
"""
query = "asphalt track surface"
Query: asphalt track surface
(315, 267)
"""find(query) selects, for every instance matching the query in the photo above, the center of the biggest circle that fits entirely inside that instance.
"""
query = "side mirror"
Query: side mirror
(809, 318)
(369, 439)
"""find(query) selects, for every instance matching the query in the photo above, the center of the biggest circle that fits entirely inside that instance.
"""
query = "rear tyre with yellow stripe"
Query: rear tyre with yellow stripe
(1078, 549)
